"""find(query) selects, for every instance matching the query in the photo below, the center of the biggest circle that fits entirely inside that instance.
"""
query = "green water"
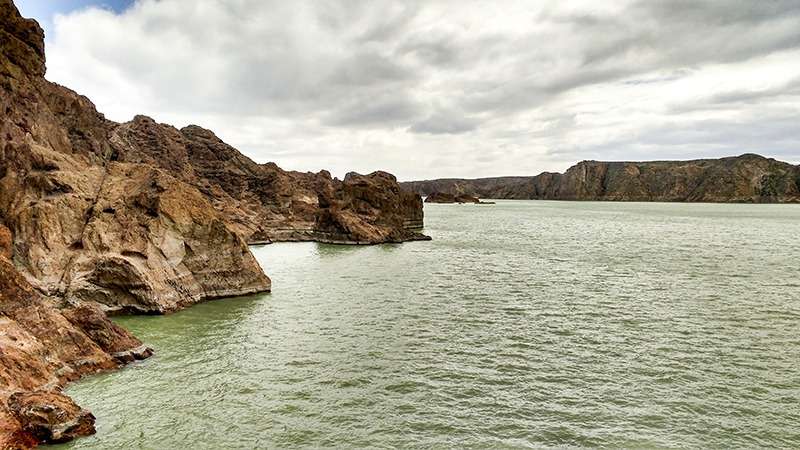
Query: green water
(522, 324)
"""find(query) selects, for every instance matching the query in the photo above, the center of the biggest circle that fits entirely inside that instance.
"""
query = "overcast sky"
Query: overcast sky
(441, 88)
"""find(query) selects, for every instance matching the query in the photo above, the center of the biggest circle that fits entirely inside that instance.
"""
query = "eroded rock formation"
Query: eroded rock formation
(87, 227)
(265, 203)
(144, 217)
(97, 216)
(43, 345)
(743, 179)
(446, 197)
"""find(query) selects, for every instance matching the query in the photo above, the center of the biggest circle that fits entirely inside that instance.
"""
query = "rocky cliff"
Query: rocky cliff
(144, 217)
(43, 345)
(97, 217)
(264, 203)
(88, 227)
(743, 179)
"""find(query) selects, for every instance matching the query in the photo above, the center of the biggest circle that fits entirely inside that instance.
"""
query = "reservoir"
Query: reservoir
(522, 324)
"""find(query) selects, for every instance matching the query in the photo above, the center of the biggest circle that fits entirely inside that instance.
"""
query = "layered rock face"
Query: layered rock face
(264, 203)
(99, 217)
(45, 342)
(89, 228)
(144, 217)
(44, 345)
(497, 187)
(743, 179)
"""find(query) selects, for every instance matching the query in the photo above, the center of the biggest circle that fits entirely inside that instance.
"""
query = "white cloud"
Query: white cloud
(445, 88)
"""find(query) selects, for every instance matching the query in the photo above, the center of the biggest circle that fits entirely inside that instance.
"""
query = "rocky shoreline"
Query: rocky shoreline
(98, 217)
(445, 197)
(747, 178)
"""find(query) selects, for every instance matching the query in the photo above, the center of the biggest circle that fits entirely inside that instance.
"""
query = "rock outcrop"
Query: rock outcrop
(98, 217)
(87, 227)
(264, 203)
(446, 197)
(50, 417)
(43, 345)
(143, 217)
(744, 179)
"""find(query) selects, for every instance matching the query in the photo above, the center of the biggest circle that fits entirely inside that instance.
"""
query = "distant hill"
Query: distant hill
(747, 178)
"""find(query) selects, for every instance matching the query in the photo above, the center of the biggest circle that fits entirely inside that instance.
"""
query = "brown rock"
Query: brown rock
(135, 217)
(42, 348)
(110, 337)
(50, 417)
(368, 209)
(128, 236)
(265, 203)
(444, 197)
(22, 41)
(747, 178)
(6, 243)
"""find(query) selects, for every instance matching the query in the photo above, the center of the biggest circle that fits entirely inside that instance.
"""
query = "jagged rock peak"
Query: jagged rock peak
(198, 131)
(352, 176)
(22, 39)
(142, 119)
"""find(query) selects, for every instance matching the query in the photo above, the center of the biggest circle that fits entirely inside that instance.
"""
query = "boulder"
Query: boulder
(50, 417)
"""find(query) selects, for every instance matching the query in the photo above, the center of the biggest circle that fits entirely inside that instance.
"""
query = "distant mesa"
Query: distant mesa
(444, 197)
(747, 178)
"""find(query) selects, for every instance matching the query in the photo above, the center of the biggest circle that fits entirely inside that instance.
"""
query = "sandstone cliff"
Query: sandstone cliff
(99, 217)
(264, 203)
(747, 178)
(87, 227)
(144, 217)
(42, 347)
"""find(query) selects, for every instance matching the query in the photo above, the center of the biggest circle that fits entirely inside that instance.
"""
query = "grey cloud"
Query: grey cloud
(445, 122)
(719, 12)
(387, 110)
(433, 50)
(681, 34)
(755, 95)
(735, 99)
(369, 68)
(692, 32)
(445, 50)
(709, 138)
(531, 75)
(393, 22)
(652, 36)
(672, 76)
(273, 65)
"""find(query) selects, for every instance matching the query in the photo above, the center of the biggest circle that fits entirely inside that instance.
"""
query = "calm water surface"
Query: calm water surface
(523, 324)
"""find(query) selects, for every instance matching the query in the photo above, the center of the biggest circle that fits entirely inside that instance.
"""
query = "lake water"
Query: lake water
(522, 324)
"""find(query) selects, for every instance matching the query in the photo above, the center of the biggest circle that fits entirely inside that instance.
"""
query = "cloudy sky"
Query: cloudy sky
(442, 88)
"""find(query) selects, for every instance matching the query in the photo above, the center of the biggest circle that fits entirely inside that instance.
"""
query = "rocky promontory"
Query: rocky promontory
(264, 203)
(45, 343)
(747, 178)
(99, 217)
(446, 197)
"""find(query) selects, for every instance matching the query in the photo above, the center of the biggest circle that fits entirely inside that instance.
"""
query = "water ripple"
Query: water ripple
(527, 324)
